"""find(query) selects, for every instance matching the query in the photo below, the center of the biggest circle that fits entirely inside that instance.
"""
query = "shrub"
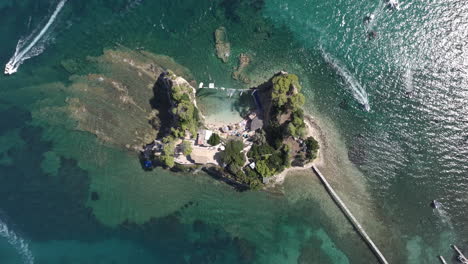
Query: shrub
(312, 148)
(252, 179)
(168, 160)
(257, 152)
(233, 154)
(259, 137)
(263, 169)
(296, 101)
(167, 156)
(214, 140)
(187, 148)
(276, 162)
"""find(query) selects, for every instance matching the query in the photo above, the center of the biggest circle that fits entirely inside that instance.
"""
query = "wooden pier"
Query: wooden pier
(350, 217)
(230, 91)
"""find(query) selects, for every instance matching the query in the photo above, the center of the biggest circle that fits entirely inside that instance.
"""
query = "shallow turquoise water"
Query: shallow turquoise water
(411, 146)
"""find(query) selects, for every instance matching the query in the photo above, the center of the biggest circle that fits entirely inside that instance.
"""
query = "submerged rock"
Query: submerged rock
(239, 74)
(113, 102)
(223, 47)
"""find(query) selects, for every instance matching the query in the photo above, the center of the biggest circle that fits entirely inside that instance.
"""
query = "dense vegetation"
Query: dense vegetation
(184, 110)
(269, 161)
(186, 148)
(186, 121)
(214, 140)
(271, 151)
(287, 102)
(312, 148)
(234, 159)
(232, 154)
(167, 155)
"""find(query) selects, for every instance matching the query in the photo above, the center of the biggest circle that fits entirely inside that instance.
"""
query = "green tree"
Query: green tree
(291, 129)
(263, 169)
(233, 154)
(176, 92)
(296, 101)
(312, 148)
(282, 86)
(168, 152)
(187, 147)
(276, 161)
(258, 152)
(259, 137)
(168, 160)
(214, 140)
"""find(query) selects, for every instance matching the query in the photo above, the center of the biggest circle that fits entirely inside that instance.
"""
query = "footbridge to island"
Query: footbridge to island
(350, 216)
(230, 91)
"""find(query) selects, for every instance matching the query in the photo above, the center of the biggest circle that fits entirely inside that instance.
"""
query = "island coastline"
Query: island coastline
(272, 139)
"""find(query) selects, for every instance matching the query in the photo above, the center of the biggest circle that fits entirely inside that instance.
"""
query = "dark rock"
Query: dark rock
(94, 196)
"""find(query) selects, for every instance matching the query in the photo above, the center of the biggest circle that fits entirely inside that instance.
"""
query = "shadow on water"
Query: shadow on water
(244, 104)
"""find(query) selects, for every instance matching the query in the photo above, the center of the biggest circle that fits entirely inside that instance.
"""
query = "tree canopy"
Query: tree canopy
(233, 154)
(214, 140)
(167, 155)
(283, 87)
(312, 148)
(184, 109)
(187, 148)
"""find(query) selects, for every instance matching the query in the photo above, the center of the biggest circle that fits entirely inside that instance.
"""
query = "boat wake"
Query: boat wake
(408, 80)
(443, 215)
(17, 242)
(35, 47)
(357, 90)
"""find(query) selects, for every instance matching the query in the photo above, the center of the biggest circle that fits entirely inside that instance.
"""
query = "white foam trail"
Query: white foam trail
(443, 215)
(17, 242)
(408, 79)
(357, 90)
(30, 51)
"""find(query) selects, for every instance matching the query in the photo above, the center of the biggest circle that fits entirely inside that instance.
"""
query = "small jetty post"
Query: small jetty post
(350, 217)
(442, 260)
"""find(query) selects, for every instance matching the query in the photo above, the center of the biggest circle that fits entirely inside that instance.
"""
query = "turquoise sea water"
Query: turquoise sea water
(409, 148)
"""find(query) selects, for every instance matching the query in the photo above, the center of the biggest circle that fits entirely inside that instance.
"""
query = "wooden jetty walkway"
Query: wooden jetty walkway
(230, 91)
(442, 260)
(461, 257)
(350, 217)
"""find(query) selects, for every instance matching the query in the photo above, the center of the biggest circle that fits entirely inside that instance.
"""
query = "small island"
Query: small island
(272, 137)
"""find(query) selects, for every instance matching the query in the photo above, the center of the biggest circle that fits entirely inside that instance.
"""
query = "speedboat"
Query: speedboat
(435, 204)
(10, 68)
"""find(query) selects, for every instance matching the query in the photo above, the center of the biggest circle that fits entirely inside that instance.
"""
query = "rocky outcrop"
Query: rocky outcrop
(223, 47)
(239, 74)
